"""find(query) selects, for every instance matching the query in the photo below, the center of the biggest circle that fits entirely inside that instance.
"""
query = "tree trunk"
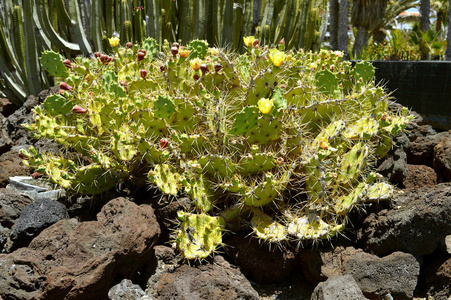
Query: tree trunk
(333, 24)
(448, 36)
(361, 40)
(343, 27)
(425, 7)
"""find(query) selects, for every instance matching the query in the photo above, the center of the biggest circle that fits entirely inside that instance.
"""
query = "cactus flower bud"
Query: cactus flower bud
(36, 175)
(280, 160)
(65, 86)
(143, 74)
(174, 51)
(256, 43)
(129, 45)
(175, 44)
(184, 53)
(68, 64)
(249, 40)
(162, 68)
(196, 77)
(23, 156)
(97, 54)
(79, 110)
(282, 41)
(141, 55)
(143, 51)
(164, 143)
(204, 68)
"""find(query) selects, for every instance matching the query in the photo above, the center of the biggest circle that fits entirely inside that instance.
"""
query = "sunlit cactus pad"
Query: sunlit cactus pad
(281, 143)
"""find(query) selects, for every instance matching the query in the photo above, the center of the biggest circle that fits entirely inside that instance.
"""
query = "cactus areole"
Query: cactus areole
(287, 163)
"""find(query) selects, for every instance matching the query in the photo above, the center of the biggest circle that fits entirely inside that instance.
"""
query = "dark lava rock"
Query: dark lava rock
(420, 151)
(394, 165)
(256, 260)
(395, 274)
(420, 221)
(34, 218)
(216, 281)
(338, 288)
(5, 140)
(82, 260)
(442, 158)
(12, 203)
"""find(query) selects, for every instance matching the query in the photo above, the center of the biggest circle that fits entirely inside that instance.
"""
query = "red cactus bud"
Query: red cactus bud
(123, 83)
(174, 51)
(68, 64)
(282, 41)
(162, 68)
(218, 68)
(175, 44)
(129, 45)
(97, 54)
(79, 110)
(143, 74)
(103, 58)
(256, 43)
(196, 77)
(201, 87)
(36, 175)
(143, 51)
(280, 160)
(141, 55)
(23, 156)
(164, 143)
(65, 86)
(204, 68)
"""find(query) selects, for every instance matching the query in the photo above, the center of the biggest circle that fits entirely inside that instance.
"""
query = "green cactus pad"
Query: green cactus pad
(151, 154)
(268, 129)
(379, 191)
(353, 162)
(200, 191)
(217, 165)
(266, 228)
(327, 82)
(198, 48)
(364, 70)
(245, 120)
(311, 227)
(151, 46)
(58, 105)
(255, 163)
(166, 178)
(363, 129)
(346, 202)
(199, 235)
(163, 107)
(122, 146)
(52, 62)
(263, 193)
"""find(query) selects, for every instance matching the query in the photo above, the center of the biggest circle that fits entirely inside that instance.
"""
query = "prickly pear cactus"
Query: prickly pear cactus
(284, 143)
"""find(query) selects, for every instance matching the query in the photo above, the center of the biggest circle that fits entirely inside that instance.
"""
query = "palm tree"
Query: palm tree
(448, 36)
(425, 8)
(388, 22)
(338, 28)
(441, 9)
(365, 15)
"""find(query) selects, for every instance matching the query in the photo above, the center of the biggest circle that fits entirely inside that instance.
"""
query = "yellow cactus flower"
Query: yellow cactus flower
(277, 57)
(265, 105)
(249, 40)
(213, 51)
(184, 52)
(324, 144)
(195, 63)
(114, 41)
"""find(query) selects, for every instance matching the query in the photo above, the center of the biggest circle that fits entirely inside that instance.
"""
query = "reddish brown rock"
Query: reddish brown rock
(420, 176)
(11, 165)
(217, 281)
(73, 260)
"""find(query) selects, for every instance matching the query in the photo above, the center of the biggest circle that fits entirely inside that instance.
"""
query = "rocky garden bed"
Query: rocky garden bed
(119, 246)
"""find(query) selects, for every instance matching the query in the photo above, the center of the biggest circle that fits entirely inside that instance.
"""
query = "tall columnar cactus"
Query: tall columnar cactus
(282, 142)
